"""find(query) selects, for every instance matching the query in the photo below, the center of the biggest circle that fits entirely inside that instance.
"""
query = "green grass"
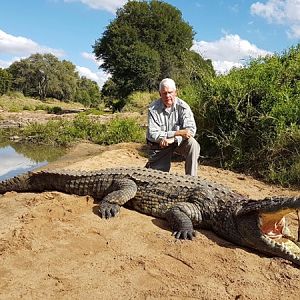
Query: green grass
(16, 102)
(139, 101)
(64, 133)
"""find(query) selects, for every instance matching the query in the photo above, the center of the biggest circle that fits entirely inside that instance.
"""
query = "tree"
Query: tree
(88, 92)
(5, 81)
(147, 41)
(63, 81)
(43, 75)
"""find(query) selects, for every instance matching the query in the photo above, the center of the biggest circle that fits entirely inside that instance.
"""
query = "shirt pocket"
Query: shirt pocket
(176, 126)
(163, 127)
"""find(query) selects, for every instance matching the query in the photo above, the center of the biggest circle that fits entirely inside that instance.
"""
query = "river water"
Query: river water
(16, 158)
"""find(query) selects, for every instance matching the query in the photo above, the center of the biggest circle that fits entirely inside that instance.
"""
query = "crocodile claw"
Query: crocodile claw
(108, 210)
(184, 234)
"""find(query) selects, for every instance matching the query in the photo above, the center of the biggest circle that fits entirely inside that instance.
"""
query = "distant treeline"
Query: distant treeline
(45, 76)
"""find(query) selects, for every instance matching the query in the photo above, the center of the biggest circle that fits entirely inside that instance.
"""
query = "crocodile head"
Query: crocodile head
(263, 225)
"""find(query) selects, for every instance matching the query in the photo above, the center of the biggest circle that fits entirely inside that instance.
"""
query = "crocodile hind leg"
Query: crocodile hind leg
(121, 192)
(181, 218)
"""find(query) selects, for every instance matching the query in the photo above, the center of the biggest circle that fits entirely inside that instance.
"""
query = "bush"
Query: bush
(139, 101)
(82, 128)
(54, 109)
(122, 130)
(283, 157)
(249, 120)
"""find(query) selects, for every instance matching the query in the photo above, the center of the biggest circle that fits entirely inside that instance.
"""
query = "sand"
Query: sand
(55, 246)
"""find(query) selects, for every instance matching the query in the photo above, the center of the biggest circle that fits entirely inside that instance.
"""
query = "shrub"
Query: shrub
(54, 109)
(122, 130)
(139, 101)
(82, 128)
(249, 119)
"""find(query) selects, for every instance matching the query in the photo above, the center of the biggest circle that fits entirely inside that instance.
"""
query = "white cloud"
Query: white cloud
(5, 64)
(285, 12)
(86, 72)
(18, 45)
(228, 52)
(223, 67)
(100, 77)
(273, 10)
(108, 5)
(91, 57)
(294, 31)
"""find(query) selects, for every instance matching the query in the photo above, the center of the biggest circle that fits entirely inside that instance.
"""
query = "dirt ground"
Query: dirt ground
(53, 246)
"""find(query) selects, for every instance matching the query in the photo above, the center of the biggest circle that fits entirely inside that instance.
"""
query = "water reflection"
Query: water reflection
(18, 158)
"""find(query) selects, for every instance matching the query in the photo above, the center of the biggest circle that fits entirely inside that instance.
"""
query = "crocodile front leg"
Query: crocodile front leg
(122, 191)
(181, 217)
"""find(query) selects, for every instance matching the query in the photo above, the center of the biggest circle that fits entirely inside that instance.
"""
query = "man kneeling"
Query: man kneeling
(171, 128)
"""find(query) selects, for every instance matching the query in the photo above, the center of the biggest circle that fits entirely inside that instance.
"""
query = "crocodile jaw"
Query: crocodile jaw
(264, 227)
(274, 225)
(276, 232)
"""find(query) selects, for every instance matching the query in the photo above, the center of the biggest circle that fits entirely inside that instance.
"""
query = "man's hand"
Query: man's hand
(166, 142)
(184, 133)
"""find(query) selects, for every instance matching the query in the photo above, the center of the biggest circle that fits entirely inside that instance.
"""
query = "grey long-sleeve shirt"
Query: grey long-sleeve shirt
(164, 122)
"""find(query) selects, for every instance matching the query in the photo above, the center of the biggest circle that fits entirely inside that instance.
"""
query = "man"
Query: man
(171, 128)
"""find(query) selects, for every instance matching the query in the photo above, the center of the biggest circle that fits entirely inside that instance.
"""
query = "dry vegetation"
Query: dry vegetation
(16, 102)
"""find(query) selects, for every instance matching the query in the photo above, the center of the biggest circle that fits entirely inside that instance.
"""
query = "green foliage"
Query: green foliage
(54, 109)
(52, 133)
(63, 81)
(144, 69)
(27, 107)
(110, 95)
(15, 95)
(88, 92)
(193, 70)
(44, 76)
(250, 118)
(5, 81)
(82, 128)
(16, 102)
(139, 101)
(94, 111)
(42, 107)
(283, 156)
(147, 41)
(122, 130)
(6, 133)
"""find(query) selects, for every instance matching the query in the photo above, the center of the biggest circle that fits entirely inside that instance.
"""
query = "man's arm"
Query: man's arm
(154, 133)
(189, 121)
(188, 128)
(184, 133)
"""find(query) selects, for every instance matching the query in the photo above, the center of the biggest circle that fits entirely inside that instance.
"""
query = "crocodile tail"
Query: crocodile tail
(20, 183)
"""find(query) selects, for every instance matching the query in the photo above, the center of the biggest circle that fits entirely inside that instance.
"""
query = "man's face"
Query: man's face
(168, 96)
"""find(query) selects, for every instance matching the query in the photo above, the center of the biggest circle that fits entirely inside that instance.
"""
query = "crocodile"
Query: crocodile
(186, 202)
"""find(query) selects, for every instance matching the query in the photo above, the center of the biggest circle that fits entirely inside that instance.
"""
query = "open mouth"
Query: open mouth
(279, 229)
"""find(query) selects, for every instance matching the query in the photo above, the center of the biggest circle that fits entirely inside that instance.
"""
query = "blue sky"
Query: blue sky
(228, 32)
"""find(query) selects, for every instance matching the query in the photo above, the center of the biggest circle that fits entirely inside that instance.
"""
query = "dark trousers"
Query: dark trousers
(160, 158)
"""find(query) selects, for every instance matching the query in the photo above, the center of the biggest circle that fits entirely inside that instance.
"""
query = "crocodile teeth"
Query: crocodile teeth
(281, 246)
